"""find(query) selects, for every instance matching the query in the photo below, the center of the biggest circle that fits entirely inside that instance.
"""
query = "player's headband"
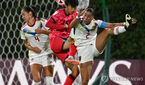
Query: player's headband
(90, 10)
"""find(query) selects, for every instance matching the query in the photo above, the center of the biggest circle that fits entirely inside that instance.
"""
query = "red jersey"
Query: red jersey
(57, 21)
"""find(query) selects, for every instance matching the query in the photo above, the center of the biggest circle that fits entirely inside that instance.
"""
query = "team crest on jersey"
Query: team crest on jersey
(31, 60)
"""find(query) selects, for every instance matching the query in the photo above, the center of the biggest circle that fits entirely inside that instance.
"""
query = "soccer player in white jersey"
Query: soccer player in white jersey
(36, 39)
(88, 42)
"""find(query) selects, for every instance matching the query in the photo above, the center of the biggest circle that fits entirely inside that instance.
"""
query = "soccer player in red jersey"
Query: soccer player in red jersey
(59, 37)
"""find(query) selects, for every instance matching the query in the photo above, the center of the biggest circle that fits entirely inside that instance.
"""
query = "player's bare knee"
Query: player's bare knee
(85, 79)
(36, 79)
(108, 30)
(85, 82)
(76, 71)
(48, 70)
(73, 68)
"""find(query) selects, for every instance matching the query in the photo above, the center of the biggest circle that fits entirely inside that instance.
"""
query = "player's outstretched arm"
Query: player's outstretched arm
(76, 20)
(27, 45)
(74, 23)
(53, 25)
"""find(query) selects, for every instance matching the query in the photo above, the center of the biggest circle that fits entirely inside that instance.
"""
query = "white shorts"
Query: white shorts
(87, 52)
(45, 60)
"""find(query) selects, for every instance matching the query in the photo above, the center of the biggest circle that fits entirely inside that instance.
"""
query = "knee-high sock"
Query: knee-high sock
(49, 80)
(70, 79)
(72, 50)
(119, 29)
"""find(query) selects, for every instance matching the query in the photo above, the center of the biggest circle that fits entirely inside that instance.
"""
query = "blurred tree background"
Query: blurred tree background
(128, 45)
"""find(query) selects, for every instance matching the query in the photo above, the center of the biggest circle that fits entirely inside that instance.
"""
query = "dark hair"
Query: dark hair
(91, 9)
(31, 9)
(73, 3)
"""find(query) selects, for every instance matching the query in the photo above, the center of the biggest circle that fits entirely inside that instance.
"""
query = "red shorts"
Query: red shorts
(56, 44)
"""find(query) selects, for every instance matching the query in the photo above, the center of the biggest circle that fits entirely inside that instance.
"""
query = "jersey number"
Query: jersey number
(36, 38)
(87, 36)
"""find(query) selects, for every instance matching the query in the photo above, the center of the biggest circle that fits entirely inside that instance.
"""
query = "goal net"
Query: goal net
(14, 65)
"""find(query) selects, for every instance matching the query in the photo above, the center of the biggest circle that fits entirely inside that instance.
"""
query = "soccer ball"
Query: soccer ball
(61, 2)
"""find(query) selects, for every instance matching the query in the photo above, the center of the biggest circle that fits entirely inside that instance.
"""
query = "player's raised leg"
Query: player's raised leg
(102, 38)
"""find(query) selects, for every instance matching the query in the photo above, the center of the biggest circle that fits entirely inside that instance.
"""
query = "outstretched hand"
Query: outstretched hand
(81, 12)
(134, 21)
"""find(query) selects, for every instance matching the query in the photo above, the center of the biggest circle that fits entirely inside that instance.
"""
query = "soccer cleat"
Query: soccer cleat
(128, 23)
(71, 61)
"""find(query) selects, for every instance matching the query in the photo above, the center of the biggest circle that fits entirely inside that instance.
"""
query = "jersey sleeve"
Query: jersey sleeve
(22, 35)
(53, 21)
(101, 23)
(55, 16)
(72, 33)
(53, 25)
(43, 21)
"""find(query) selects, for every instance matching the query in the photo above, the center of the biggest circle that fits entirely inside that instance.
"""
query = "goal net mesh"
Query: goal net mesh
(12, 48)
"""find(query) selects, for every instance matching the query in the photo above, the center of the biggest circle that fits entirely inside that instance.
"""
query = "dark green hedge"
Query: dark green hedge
(128, 45)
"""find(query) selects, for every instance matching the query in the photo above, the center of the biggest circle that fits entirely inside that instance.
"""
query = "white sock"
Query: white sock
(37, 83)
(119, 29)
(49, 80)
